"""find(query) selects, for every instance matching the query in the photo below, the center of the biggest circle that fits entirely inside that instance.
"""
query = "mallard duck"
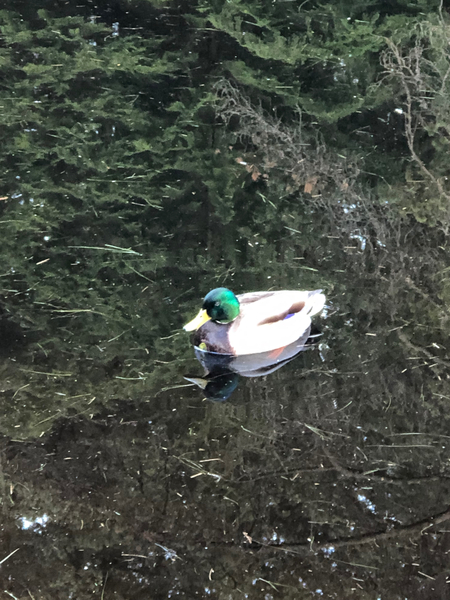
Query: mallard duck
(254, 322)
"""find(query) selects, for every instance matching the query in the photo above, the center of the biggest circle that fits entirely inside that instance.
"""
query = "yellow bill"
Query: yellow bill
(199, 320)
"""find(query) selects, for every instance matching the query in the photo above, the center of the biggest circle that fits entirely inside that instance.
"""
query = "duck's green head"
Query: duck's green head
(220, 305)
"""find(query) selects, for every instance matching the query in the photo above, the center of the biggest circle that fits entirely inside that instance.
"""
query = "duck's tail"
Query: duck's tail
(315, 303)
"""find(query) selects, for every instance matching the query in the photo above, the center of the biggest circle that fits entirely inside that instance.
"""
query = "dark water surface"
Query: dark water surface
(328, 478)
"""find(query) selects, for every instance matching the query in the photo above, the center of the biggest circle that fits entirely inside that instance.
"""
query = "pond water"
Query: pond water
(326, 478)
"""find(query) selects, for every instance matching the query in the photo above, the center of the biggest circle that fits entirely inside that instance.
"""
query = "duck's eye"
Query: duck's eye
(216, 303)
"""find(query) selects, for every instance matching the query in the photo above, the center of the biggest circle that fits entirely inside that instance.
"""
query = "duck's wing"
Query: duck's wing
(273, 320)
(264, 308)
(251, 297)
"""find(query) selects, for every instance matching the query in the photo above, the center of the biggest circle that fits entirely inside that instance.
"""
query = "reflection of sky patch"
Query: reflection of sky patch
(277, 538)
(368, 504)
(169, 554)
(360, 238)
(37, 522)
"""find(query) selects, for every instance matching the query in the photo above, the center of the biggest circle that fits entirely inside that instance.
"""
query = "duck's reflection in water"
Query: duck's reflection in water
(222, 371)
